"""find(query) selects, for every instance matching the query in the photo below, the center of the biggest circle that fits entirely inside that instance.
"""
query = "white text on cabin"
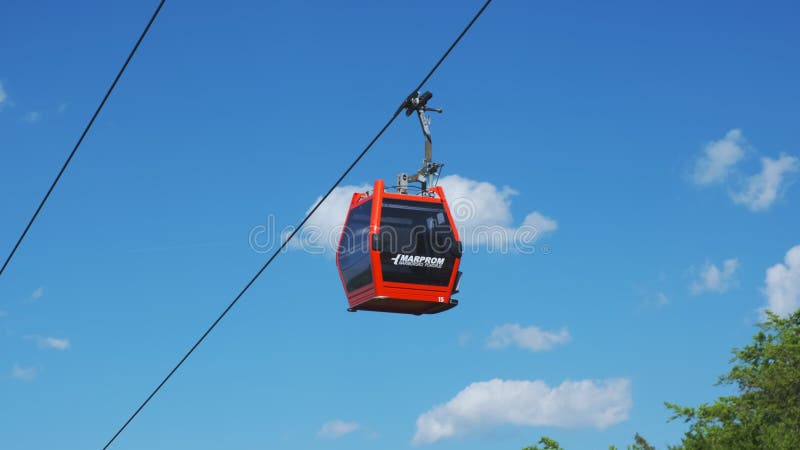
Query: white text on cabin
(418, 261)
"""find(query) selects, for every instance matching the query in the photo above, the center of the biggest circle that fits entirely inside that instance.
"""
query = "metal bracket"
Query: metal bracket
(418, 103)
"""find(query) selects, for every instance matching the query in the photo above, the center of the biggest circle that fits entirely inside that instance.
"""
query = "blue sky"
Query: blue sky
(655, 147)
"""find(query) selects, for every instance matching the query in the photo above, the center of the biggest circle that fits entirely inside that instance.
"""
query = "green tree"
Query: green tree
(547, 444)
(766, 412)
(550, 444)
(639, 443)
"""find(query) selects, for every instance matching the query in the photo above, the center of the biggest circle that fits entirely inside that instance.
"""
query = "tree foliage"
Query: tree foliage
(546, 444)
(766, 412)
(639, 443)
(550, 444)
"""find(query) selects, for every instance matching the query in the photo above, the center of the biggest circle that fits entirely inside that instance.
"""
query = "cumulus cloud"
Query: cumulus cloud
(53, 343)
(783, 284)
(541, 223)
(322, 231)
(652, 297)
(530, 338)
(337, 428)
(756, 192)
(714, 279)
(37, 294)
(47, 342)
(324, 228)
(481, 211)
(762, 189)
(486, 405)
(24, 373)
(719, 158)
(32, 117)
(3, 96)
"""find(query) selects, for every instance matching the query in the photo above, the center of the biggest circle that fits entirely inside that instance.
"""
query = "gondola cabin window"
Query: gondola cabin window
(416, 243)
(354, 248)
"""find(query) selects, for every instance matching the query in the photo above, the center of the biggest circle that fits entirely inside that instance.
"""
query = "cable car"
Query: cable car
(400, 252)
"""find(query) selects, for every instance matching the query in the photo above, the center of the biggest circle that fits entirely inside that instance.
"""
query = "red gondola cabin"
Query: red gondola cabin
(399, 252)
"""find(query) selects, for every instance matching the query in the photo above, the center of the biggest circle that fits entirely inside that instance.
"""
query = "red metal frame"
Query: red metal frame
(387, 296)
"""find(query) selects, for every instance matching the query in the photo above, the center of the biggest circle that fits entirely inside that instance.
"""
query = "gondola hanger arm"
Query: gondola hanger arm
(419, 104)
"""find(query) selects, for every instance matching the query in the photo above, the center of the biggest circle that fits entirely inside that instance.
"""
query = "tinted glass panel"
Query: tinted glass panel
(354, 248)
(416, 243)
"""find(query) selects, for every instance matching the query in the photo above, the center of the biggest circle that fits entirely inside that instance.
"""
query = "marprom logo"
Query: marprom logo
(418, 261)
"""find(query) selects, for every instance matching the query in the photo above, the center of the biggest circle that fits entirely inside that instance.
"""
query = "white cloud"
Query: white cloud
(3, 96)
(530, 338)
(46, 342)
(24, 373)
(756, 192)
(51, 342)
(32, 117)
(481, 210)
(482, 213)
(652, 298)
(762, 189)
(337, 428)
(719, 158)
(474, 203)
(324, 228)
(37, 294)
(783, 284)
(464, 338)
(714, 279)
(543, 224)
(485, 405)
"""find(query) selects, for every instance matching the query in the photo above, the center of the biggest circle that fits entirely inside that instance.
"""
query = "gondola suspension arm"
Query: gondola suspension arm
(419, 104)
